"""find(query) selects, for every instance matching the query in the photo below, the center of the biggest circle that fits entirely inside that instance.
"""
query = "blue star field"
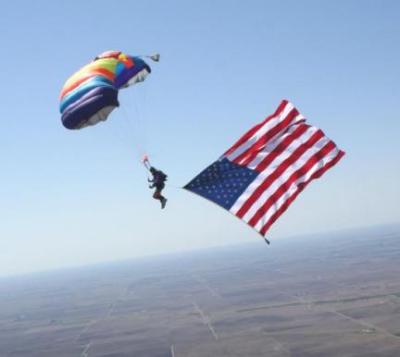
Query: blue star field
(222, 182)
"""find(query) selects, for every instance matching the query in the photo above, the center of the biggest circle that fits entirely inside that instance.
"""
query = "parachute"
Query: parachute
(91, 94)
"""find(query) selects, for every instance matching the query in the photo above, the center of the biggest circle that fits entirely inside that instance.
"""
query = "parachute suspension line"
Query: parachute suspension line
(140, 105)
(140, 122)
(134, 108)
(119, 133)
(128, 133)
(134, 122)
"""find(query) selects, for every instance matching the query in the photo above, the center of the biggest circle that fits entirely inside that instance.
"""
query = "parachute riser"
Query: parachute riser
(146, 163)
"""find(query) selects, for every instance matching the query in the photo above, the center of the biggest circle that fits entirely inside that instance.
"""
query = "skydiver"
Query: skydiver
(158, 182)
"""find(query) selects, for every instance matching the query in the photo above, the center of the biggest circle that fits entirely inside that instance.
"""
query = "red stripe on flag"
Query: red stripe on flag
(253, 130)
(246, 157)
(278, 172)
(292, 179)
(301, 186)
(281, 147)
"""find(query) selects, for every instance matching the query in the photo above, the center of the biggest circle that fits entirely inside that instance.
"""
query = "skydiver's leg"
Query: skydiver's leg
(163, 202)
(158, 196)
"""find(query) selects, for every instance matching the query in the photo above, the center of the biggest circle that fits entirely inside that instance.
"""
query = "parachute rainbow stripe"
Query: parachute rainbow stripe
(91, 94)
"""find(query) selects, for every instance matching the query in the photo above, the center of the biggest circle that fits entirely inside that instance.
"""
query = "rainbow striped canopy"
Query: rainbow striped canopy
(91, 94)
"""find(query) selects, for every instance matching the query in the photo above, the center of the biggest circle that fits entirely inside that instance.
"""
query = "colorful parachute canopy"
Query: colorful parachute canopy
(91, 94)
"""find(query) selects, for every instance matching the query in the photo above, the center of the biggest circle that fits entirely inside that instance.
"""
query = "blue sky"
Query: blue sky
(71, 198)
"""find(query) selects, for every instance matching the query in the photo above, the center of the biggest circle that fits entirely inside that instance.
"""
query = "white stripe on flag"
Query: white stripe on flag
(262, 131)
(298, 119)
(271, 168)
(294, 188)
(271, 146)
(285, 176)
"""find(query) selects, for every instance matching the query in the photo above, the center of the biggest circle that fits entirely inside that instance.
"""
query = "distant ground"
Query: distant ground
(328, 295)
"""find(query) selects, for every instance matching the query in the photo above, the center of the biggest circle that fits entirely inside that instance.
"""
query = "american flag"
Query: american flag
(258, 177)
